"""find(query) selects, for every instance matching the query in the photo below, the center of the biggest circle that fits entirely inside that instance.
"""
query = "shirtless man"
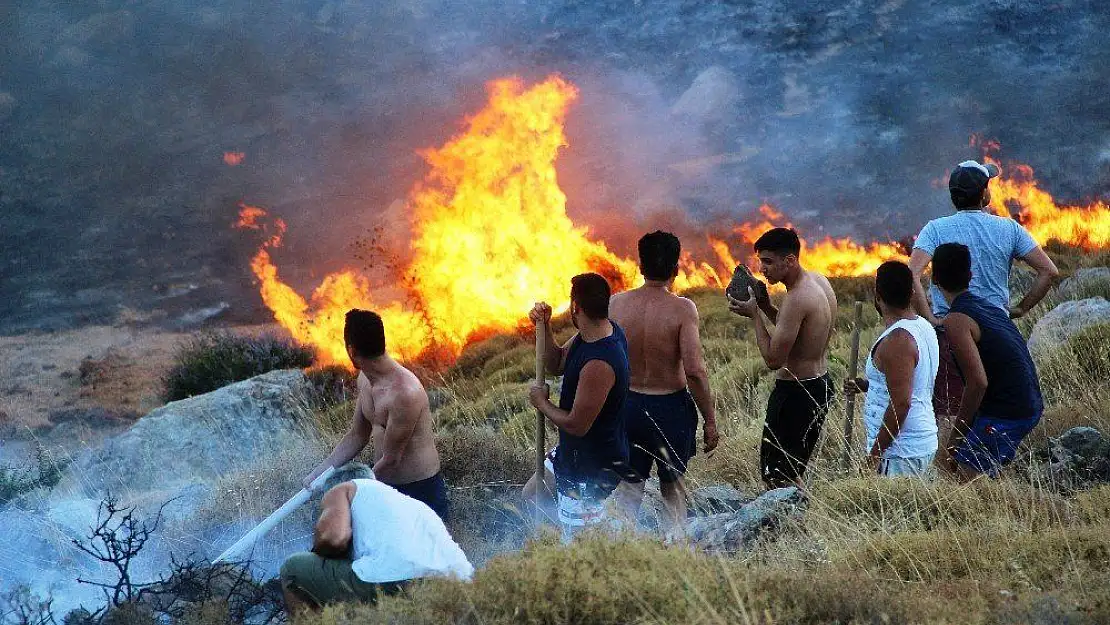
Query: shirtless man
(392, 410)
(797, 347)
(664, 352)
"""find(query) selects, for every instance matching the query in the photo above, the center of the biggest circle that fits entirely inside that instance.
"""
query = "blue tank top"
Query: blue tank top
(1013, 391)
(602, 454)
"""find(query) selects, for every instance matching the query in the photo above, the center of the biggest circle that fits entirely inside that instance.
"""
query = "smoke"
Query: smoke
(115, 116)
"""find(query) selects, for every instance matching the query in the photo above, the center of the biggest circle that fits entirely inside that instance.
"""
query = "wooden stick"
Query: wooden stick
(541, 425)
(853, 371)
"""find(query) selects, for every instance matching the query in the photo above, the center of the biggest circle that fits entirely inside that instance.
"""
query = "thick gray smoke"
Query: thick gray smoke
(115, 116)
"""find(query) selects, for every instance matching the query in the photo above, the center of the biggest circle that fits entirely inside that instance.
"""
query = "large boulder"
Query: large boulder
(1089, 280)
(1066, 320)
(199, 438)
(734, 531)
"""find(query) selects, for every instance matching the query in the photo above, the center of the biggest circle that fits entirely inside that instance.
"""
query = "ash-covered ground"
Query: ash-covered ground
(116, 204)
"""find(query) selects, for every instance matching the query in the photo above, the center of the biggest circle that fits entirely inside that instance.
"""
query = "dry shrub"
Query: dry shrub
(499, 403)
(478, 455)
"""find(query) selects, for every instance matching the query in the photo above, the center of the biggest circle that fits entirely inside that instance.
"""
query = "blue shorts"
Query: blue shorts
(662, 430)
(992, 442)
(432, 491)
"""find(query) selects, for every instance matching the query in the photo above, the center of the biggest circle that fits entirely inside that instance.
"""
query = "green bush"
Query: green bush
(212, 360)
(45, 472)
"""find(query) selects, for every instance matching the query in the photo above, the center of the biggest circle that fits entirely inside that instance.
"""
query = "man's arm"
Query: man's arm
(919, 259)
(896, 357)
(775, 346)
(693, 363)
(332, 538)
(354, 441)
(963, 334)
(594, 383)
(400, 423)
(1047, 274)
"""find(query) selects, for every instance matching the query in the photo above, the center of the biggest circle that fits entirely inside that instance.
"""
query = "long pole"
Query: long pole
(541, 448)
(853, 371)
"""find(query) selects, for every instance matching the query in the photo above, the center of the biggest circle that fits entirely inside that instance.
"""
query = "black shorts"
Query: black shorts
(662, 430)
(432, 491)
(795, 413)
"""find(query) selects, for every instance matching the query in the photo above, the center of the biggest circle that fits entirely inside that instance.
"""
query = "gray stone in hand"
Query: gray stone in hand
(742, 279)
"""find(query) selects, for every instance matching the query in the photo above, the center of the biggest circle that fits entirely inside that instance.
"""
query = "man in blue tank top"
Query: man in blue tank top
(592, 456)
(1002, 400)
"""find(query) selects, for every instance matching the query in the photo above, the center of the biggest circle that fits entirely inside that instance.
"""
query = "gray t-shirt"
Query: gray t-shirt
(994, 243)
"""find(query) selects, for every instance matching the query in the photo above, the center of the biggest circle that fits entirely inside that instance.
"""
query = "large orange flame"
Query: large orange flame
(491, 236)
(1087, 227)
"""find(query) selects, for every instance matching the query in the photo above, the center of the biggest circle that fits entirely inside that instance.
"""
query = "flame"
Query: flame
(491, 235)
(231, 159)
(1087, 227)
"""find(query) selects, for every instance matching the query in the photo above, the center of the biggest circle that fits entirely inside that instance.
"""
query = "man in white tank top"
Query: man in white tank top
(370, 540)
(900, 373)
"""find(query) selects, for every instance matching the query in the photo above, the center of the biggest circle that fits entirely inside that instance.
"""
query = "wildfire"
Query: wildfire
(1087, 227)
(233, 159)
(491, 235)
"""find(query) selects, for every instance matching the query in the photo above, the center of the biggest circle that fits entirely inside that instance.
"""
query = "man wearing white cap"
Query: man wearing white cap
(994, 243)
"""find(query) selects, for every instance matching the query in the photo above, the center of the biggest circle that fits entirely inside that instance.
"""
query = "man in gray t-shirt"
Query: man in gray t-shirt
(994, 243)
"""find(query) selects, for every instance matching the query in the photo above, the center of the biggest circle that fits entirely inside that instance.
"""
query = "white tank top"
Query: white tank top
(395, 537)
(918, 435)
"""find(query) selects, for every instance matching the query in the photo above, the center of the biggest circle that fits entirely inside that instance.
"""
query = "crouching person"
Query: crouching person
(901, 371)
(1002, 400)
(369, 541)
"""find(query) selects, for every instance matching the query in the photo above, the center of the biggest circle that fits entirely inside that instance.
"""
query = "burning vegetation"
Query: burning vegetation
(491, 201)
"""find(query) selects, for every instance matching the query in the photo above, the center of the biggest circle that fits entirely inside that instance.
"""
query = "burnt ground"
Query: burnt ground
(116, 204)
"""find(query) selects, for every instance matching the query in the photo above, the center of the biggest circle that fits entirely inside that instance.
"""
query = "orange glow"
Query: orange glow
(491, 236)
(231, 159)
(1016, 190)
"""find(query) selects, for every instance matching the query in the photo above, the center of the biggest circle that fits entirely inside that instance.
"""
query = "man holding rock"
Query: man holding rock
(994, 243)
(664, 352)
(392, 410)
(901, 371)
(369, 541)
(1001, 401)
(592, 456)
(797, 347)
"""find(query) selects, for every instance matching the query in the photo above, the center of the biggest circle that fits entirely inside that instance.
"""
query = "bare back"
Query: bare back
(652, 318)
(813, 300)
(397, 409)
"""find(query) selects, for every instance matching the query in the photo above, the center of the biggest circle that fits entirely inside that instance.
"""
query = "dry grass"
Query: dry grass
(866, 551)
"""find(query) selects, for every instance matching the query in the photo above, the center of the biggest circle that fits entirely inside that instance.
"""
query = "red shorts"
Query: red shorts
(949, 389)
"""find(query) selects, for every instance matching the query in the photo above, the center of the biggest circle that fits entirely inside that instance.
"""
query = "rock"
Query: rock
(734, 531)
(712, 97)
(718, 499)
(1066, 320)
(199, 438)
(1078, 458)
(1085, 281)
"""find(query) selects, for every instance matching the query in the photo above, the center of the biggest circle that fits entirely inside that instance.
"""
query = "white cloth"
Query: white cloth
(395, 538)
(918, 434)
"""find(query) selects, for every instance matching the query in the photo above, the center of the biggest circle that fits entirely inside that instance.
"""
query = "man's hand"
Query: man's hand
(709, 436)
(540, 313)
(762, 297)
(749, 308)
(539, 395)
(853, 386)
(1016, 312)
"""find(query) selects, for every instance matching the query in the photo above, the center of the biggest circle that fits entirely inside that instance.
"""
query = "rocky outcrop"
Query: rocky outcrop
(734, 531)
(1067, 320)
(198, 439)
(1078, 458)
(1085, 280)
